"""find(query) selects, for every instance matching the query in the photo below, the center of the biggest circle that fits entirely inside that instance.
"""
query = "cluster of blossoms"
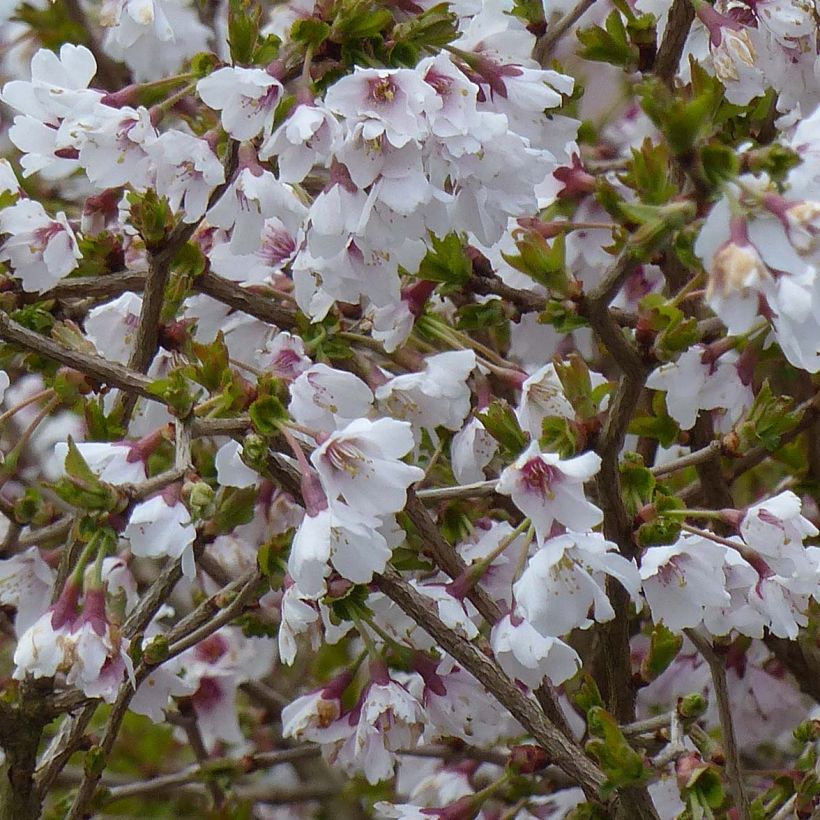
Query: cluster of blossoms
(411, 394)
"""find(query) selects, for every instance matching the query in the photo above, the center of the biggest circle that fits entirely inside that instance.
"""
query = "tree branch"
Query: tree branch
(734, 775)
(565, 752)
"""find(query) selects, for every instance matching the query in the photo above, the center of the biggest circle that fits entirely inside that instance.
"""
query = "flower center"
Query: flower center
(540, 476)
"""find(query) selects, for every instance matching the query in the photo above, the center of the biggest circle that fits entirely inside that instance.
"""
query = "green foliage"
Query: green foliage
(622, 765)
(267, 413)
(151, 216)
(501, 423)
(660, 425)
(674, 331)
(175, 390)
(481, 316)
(637, 483)
(663, 529)
(766, 422)
(244, 22)
(234, 506)
(562, 316)
(542, 262)
(446, 261)
(664, 646)
(433, 28)
(609, 44)
(81, 487)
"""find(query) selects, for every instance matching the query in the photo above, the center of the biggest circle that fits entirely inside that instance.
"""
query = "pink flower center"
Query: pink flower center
(343, 455)
(539, 476)
(383, 90)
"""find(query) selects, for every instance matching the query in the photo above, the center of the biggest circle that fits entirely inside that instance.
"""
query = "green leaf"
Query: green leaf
(543, 263)
(650, 174)
(609, 44)
(481, 316)
(234, 506)
(446, 262)
(212, 365)
(244, 21)
(637, 483)
(310, 32)
(767, 420)
(175, 391)
(664, 646)
(622, 765)
(501, 423)
(266, 414)
(559, 435)
(562, 316)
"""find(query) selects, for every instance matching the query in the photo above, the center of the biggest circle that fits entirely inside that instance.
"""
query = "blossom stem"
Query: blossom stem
(483, 564)
(90, 549)
(370, 646)
(14, 454)
(298, 452)
(42, 394)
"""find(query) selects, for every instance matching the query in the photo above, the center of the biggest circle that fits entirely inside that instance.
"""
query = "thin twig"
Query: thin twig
(734, 774)
(546, 44)
(565, 752)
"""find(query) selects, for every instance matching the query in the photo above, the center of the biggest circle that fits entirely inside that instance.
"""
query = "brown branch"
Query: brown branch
(678, 22)
(146, 342)
(99, 369)
(734, 774)
(546, 44)
(565, 752)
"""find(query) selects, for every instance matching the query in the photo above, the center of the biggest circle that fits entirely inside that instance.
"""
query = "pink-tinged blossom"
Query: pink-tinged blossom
(303, 616)
(388, 718)
(361, 464)
(284, 356)
(187, 171)
(231, 471)
(454, 612)
(497, 579)
(306, 717)
(217, 666)
(566, 578)
(253, 197)
(112, 326)
(161, 527)
(8, 179)
(695, 381)
(26, 583)
(683, 581)
(277, 247)
(437, 396)
(77, 641)
(526, 655)
(154, 38)
(386, 102)
(547, 488)
(776, 529)
(325, 399)
(471, 449)
(114, 147)
(41, 250)
(542, 395)
(737, 273)
(306, 138)
(246, 97)
(58, 90)
(348, 539)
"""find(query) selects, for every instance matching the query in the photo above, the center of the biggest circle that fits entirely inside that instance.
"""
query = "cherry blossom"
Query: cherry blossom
(361, 463)
(40, 249)
(547, 489)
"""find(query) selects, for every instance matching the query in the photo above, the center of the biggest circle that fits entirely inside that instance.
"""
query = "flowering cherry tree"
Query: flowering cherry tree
(410, 409)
